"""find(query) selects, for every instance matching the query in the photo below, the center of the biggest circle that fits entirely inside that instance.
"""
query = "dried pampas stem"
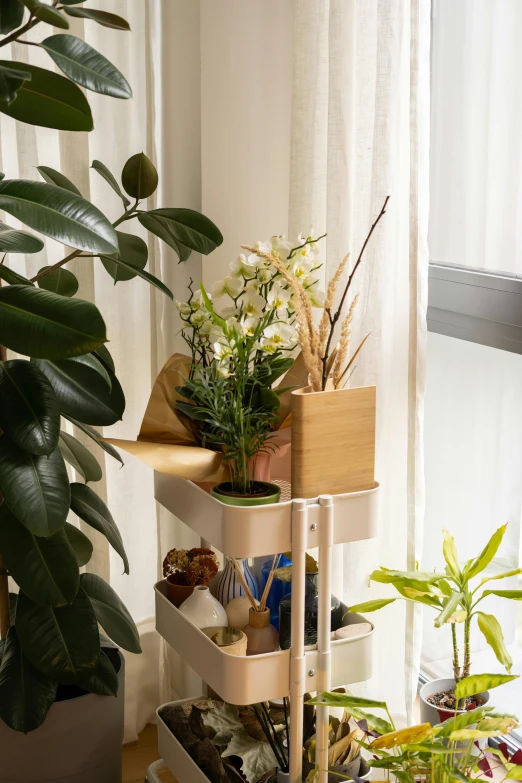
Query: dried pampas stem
(344, 342)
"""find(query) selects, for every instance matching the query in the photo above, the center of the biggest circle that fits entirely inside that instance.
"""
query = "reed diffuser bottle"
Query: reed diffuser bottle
(262, 637)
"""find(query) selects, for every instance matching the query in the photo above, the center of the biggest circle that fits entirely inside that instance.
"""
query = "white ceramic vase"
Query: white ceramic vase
(203, 610)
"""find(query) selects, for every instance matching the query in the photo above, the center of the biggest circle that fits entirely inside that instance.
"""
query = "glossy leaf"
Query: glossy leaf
(62, 642)
(135, 272)
(91, 508)
(48, 100)
(91, 360)
(449, 551)
(12, 240)
(371, 606)
(79, 457)
(487, 554)
(85, 66)
(515, 773)
(50, 15)
(346, 700)
(11, 80)
(54, 177)
(80, 543)
(26, 695)
(133, 250)
(139, 176)
(388, 576)
(105, 680)
(29, 411)
(450, 606)
(463, 720)
(490, 627)
(514, 595)
(82, 393)
(46, 569)
(59, 281)
(11, 16)
(102, 17)
(12, 277)
(44, 325)
(403, 737)
(104, 172)
(185, 226)
(96, 437)
(478, 683)
(489, 727)
(35, 488)
(112, 614)
(103, 354)
(58, 214)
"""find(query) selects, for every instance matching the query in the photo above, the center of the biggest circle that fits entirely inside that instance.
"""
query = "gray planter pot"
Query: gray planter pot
(79, 742)
(429, 713)
(334, 775)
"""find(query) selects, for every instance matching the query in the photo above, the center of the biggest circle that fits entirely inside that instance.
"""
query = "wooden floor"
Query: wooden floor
(138, 755)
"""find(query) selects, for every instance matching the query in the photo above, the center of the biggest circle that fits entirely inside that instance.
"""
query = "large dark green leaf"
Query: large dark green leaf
(104, 356)
(29, 411)
(112, 614)
(79, 457)
(133, 250)
(35, 488)
(62, 642)
(12, 277)
(139, 176)
(58, 214)
(12, 240)
(81, 544)
(185, 226)
(59, 281)
(104, 172)
(54, 177)
(11, 15)
(46, 569)
(105, 680)
(11, 79)
(50, 15)
(48, 100)
(89, 507)
(44, 325)
(26, 694)
(102, 17)
(82, 393)
(85, 66)
(96, 437)
(135, 272)
(91, 360)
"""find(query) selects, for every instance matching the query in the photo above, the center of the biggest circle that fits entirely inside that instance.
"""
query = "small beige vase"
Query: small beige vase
(262, 637)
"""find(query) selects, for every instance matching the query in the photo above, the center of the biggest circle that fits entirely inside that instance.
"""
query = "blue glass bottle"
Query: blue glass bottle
(278, 589)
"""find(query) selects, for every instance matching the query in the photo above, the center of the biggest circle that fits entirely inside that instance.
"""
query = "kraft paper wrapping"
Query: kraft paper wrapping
(166, 440)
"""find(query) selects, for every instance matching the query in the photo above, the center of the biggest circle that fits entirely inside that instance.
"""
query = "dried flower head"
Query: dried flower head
(199, 564)
(202, 569)
(175, 560)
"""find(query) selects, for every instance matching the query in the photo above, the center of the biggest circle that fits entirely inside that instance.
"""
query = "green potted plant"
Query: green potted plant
(55, 666)
(456, 602)
(435, 754)
(240, 348)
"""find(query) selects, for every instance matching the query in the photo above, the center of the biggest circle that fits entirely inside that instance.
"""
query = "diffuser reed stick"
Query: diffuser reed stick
(244, 585)
(275, 563)
(262, 604)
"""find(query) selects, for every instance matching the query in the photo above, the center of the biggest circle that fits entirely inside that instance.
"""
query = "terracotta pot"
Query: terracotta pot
(333, 441)
(177, 589)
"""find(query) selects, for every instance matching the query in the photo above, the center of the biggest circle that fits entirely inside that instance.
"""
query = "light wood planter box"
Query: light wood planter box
(333, 441)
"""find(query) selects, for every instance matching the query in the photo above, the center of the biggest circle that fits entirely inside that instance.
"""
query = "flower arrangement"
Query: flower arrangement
(242, 337)
(199, 566)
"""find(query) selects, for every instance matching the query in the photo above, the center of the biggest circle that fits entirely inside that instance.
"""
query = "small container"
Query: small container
(278, 589)
(178, 590)
(237, 611)
(262, 637)
(230, 640)
(202, 609)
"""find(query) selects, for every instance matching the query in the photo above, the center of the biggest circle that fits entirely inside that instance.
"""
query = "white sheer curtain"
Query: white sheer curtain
(267, 115)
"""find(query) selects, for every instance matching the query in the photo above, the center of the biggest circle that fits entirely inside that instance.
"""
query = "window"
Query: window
(473, 410)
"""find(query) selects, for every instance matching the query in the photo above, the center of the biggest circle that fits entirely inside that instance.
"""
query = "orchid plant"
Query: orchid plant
(242, 337)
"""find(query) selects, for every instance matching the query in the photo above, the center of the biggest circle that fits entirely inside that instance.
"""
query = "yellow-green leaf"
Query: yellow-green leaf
(371, 606)
(449, 551)
(487, 554)
(412, 734)
(478, 683)
(490, 627)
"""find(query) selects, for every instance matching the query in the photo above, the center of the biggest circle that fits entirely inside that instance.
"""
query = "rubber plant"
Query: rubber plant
(49, 628)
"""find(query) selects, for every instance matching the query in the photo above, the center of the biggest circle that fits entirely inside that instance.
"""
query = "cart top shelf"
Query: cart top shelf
(263, 530)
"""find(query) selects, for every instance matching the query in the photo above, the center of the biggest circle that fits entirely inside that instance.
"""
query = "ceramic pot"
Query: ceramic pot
(79, 741)
(262, 637)
(335, 774)
(230, 640)
(223, 492)
(229, 586)
(333, 441)
(237, 612)
(177, 588)
(431, 714)
(311, 614)
(202, 609)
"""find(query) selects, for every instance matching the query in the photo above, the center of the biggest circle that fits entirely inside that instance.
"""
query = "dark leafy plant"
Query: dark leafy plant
(49, 629)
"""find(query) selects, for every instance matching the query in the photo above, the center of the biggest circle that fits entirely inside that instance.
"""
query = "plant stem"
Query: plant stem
(467, 648)
(17, 33)
(335, 318)
(456, 663)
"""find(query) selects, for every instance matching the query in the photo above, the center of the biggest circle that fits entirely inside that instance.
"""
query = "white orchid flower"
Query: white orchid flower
(197, 299)
(231, 286)
(243, 266)
(222, 350)
(206, 328)
(184, 308)
(264, 247)
(281, 247)
(249, 326)
(229, 311)
(302, 265)
(281, 334)
(252, 304)
(279, 297)
(252, 285)
(264, 275)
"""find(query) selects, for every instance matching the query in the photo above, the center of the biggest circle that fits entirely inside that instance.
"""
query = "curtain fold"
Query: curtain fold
(268, 116)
